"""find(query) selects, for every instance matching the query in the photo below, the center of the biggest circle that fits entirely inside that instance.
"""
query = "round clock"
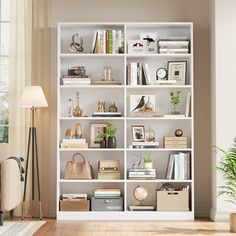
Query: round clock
(161, 74)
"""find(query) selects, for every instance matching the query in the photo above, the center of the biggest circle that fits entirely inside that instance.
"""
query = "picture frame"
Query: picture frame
(137, 46)
(177, 70)
(148, 100)
(138, 133)
(95, 129)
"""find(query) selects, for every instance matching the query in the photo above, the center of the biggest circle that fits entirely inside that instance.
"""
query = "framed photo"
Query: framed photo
(138, 133)
(177, 71)
(95, 130)
(137, 46)
(142, 103)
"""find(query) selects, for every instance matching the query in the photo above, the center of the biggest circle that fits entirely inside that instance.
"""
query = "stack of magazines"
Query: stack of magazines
(107, 193)
(142, 173)
(174, 45)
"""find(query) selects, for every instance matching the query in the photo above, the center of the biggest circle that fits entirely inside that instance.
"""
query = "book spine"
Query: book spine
(104, 41)
(113, 41)
(140, 74)
(107, 41)
(133, 73)
(129, 74)
(99, 42)
(110, 41)
(176, 167)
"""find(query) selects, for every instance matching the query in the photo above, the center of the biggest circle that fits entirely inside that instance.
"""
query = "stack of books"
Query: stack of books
(178, 166)
(107, 82)
(106, 114)
(107, 193)
(142, 173)
(74, 143)
(75, 80)
(174, 45)
(140, 145)
(108, 41)
(138, 74)
(141, 208)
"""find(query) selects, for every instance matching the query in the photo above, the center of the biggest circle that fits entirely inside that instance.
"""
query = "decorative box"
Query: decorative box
(175, 142)
(172, 201)
(137, 46)
(107, 166)
(107, 204)
(74, 205)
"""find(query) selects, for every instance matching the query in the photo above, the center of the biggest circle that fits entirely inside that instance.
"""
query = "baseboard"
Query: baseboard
(219, 216)
(202, 212)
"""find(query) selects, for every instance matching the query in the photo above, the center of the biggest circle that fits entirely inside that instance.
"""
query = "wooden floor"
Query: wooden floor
(72, 228)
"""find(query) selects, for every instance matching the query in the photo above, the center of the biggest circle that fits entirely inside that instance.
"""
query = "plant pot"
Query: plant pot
(111, 143)
(148, 165)
(103, 144)
(174, 111)
(232, 222)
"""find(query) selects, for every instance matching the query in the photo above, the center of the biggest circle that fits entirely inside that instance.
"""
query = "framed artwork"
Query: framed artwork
(177, 71)
(142, 103)
(95, 130)
(138, 133)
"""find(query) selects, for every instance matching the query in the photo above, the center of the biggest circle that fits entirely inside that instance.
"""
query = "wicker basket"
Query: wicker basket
(70, 205)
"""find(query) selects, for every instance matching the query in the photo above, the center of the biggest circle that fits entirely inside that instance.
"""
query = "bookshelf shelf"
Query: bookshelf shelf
(120, 94)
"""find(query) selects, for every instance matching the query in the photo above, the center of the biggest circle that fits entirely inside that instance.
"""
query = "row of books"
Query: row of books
(138, 74)
(142, 173)
(174, 45)
(107, 193)
(108, 41)
(74, 143)
(178, 167)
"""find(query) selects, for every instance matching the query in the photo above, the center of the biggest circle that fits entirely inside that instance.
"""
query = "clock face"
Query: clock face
(161, 73)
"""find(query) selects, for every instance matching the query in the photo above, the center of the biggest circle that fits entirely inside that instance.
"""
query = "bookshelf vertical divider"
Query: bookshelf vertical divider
(89, 96)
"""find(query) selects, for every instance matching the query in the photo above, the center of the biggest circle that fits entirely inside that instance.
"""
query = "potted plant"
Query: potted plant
(102, 139)
(148, 163)
(175, 100)
(227, 167)
(110, 135)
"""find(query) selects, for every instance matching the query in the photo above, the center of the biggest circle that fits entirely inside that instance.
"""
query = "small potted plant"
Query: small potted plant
(227, 168)
(175, 100)
(148, 163)
(110, 134)
(102, 139)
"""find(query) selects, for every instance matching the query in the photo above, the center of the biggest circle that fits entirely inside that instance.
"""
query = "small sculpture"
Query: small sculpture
(140, 194)
(112, 108)
(76, 46)
(78, 131)
(137, 164)
(77, 112)
(179, 133)
(101, 106)
(69, 134)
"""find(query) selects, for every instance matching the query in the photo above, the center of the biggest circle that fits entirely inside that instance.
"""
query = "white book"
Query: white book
(166, 82)
(187, 166)
(147, 74)
(169, 170)
(176, 171)
(175, 50)
(134, 79)
(187, 108)
(77, 83)
(74, 140)
(174, 116)
(173, 43)
(113, 41)
(182, 165)
(145, 143)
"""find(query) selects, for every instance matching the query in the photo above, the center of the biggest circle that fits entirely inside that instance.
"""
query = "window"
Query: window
(4, 69)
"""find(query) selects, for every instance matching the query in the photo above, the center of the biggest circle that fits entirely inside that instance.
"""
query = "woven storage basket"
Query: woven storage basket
(68, 205)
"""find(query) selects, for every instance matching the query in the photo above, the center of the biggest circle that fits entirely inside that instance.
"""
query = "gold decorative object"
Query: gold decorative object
(78, 131)
(112, 108)
(69, 133)
(101, 106)
(77, 112)
(150, 135)
(140, 194)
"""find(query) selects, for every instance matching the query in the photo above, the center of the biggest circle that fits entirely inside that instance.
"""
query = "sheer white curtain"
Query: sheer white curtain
(30, 65)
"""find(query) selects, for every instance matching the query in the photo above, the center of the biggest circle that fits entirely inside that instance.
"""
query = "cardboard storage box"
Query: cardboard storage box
(175, 142)
(105, 204)
(172, 201)
(74, 205)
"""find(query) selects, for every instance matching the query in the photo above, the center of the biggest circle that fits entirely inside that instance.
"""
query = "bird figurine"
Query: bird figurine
(140, 104)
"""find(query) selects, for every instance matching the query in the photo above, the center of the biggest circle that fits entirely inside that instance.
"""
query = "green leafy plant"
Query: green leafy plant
(110, 130)
(175, 98)
(227, 167)
(148, 158)
(101, 136)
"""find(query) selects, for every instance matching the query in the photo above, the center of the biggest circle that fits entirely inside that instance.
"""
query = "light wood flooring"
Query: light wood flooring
(127, 228)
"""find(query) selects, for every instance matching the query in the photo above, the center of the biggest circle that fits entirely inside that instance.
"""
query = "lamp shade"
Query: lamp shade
(33, 96)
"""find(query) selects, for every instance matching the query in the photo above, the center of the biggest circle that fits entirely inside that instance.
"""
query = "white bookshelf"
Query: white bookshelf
(89, 96)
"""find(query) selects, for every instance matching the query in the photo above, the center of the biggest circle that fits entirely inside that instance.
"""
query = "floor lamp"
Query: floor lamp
(32, 98)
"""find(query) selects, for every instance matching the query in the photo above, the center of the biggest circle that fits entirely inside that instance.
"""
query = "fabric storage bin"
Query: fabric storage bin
(107, 204)
(172, 201)
(70, 205)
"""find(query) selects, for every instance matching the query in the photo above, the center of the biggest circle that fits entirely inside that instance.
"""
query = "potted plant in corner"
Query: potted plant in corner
(175, 100)
(110, 134)
(148, 163)
(102, 139)
(227, 167)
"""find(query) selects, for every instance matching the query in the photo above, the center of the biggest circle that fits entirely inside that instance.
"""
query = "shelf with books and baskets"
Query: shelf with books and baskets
(125, 95)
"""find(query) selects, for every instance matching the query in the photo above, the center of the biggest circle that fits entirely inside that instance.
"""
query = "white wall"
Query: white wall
(223, 92)
(151, 10)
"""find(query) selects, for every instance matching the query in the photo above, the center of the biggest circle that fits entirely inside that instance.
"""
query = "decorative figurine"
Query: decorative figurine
(107, 73)
(112, 108)
(78, 131)
(101, 106)
(69, 134)
(150, 134)
(77, 112)
(179, 133)
(76, 46)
